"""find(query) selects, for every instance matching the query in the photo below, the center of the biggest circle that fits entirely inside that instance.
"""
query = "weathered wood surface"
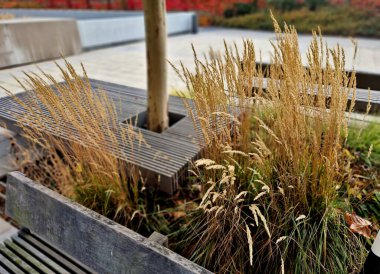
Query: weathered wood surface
(362, 97)
(27, 253)
(87, 236)
(364, 79)
(166, 158)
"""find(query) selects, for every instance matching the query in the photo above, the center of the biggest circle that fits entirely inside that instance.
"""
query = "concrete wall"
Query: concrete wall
(26, 40)
(102, 32)
(102, 28)
(76, 14)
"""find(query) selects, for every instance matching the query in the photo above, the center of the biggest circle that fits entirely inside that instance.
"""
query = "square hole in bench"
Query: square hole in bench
(141, 119)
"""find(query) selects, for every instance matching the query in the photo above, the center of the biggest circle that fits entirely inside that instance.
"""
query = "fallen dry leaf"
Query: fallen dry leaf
(358, 224)
(178, 214)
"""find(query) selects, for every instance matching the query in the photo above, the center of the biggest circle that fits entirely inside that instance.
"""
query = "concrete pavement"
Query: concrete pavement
(125, 64)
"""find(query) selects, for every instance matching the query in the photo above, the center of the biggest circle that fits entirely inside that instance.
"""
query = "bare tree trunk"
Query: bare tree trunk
(124, 4)
(155, 30)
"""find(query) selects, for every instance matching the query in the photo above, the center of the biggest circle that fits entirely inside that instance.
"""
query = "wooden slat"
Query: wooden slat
(16, 260)
(27, 257)
(26, 253)
(9, 266)
(63, 260)
(165, 159)
(85, 235)
(364, 79)
(3, 270)
(362, 98)
(39, 255)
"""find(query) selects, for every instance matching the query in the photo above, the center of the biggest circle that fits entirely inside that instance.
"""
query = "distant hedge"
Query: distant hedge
(345, 21)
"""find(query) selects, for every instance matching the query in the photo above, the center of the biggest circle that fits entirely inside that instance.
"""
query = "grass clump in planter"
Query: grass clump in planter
(365, 142)
(271, 199)
(70, 151)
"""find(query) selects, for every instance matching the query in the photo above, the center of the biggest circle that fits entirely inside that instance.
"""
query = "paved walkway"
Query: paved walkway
(6, 230)
(125, 64)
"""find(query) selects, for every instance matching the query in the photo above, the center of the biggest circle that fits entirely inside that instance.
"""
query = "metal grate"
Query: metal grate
(27, 253)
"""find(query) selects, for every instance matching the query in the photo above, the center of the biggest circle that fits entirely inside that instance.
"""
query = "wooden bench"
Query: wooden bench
(165, 160)
(82, 239)
(364, 81)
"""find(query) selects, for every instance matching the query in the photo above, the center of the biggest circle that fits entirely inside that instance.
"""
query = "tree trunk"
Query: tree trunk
(155, 33)
(124, 4)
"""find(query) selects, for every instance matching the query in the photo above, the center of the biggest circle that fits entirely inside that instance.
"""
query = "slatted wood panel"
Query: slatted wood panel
(27, 253)
(364, 81)
(165, 160)
(362, 97)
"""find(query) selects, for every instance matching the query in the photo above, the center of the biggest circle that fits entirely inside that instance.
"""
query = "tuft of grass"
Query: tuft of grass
(71, 131)
(274, 161)
(365, 141)
(363, 182)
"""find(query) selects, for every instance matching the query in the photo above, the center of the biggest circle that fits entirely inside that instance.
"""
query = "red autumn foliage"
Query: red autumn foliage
(215, 7)
(366, 4)
(211, 6)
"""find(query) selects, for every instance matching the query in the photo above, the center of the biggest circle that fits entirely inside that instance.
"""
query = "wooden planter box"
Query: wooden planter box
(90, 238)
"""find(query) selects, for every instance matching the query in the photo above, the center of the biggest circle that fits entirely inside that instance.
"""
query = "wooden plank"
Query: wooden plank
(2, 270)
(4, 262)
(63, 259)
(361, 98)
(87, 236)
(27, 257)
(166, 157)
(39, 255)
(367, 80)
(16, 260)
(364, 79)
